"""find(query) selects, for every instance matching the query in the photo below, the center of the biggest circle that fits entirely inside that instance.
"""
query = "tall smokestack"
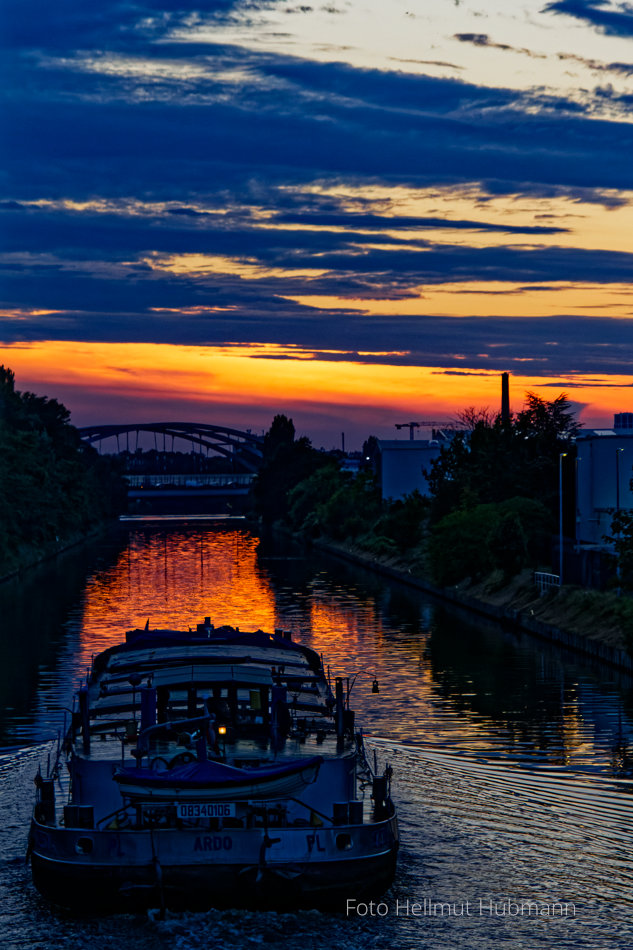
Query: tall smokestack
(505, 398)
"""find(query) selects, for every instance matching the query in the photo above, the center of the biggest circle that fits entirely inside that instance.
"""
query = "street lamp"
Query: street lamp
(561, 456)
(577, 519)
(617, 509)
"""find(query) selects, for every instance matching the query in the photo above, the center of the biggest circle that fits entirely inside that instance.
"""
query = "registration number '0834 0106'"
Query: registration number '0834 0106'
(206, 809)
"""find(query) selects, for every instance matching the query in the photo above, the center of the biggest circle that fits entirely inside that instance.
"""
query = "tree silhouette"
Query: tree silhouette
(497, 460)
(52, 486)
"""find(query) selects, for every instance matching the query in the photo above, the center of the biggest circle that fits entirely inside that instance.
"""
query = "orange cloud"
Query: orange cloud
(119, 382)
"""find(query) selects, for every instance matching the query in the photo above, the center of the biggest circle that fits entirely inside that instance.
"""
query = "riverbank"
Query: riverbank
(32, 557)
(54, 489)
(590, 622)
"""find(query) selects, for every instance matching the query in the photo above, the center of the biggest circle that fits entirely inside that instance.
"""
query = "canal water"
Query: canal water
(512, 759)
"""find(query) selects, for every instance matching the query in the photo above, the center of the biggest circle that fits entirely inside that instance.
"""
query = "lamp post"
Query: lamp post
(560, 518)
(617, 509)
(577, 461)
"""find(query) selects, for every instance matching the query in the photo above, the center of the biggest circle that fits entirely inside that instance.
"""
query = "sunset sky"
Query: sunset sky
(357, 212)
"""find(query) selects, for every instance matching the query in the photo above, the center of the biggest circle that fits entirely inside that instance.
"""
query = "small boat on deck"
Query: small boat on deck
(212, 767)
(212, 781)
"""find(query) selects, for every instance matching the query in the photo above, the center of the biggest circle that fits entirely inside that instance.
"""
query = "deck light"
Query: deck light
(351, 680)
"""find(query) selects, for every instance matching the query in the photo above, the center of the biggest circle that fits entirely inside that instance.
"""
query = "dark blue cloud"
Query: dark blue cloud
(553, 346)
(391, 222)
(462, 263)
(107, 24)
(622, 69)
(115, 237)
(482, 39)
(359, 258)
(614, 22)
(327, 120)
(193, 162)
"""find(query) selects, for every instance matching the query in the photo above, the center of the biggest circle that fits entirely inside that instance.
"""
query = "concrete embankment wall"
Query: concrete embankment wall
(34, 557)
(507, 616)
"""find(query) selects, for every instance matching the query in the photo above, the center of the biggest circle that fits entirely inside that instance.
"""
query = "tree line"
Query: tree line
(493, 502)
(53, 487)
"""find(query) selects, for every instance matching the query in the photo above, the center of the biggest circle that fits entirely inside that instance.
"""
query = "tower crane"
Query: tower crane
(424, 423)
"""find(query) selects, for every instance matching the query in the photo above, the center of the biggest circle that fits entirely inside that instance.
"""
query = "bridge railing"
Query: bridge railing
(189, 481)
(545, 582)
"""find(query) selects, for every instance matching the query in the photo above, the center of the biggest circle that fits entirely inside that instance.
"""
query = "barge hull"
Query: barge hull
(326, 885)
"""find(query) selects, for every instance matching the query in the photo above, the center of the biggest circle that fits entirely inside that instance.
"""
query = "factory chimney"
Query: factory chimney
(505, 398)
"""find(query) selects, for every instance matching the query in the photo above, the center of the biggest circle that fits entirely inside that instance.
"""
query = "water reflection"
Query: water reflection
(444, 683)
(174, 577)
(488, 733)
(38, 622)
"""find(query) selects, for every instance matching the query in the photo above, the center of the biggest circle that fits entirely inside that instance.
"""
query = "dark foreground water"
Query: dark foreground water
(512, 760)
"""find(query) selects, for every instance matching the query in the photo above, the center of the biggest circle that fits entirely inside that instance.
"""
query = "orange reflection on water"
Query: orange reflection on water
(359, 645)
(436, 686)
(334, 623)
(175, 580)
(415, 701)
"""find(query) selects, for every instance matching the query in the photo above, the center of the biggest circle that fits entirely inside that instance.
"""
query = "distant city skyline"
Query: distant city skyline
(354, 213)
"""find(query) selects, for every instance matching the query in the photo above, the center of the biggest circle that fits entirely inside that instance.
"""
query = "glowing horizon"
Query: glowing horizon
(147, 382)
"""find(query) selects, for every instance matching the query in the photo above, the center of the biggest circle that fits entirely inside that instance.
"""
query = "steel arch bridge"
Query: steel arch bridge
(242, 447)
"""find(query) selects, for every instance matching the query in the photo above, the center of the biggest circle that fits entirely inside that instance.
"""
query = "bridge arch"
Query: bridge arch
(241, 446)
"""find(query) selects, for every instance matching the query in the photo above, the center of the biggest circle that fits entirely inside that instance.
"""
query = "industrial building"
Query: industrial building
(402, 466)
(604, 467)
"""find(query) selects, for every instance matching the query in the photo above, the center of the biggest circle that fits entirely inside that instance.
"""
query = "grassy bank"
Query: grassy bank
(597, 623)
(597, 615)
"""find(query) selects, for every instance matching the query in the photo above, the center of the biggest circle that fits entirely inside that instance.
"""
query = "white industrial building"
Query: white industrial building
(603, 478)
(402, 465)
